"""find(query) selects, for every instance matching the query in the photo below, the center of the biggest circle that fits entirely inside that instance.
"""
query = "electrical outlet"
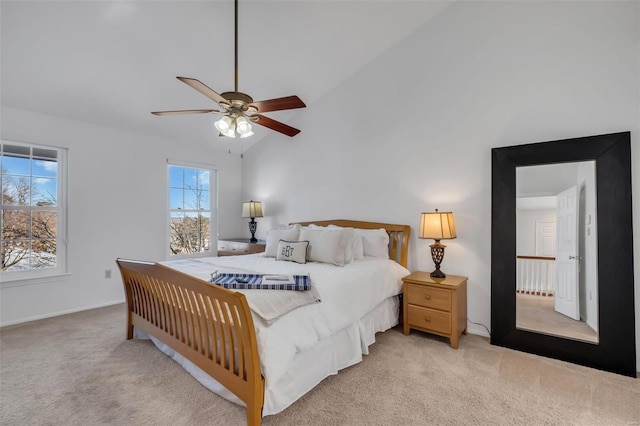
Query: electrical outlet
(107, 273)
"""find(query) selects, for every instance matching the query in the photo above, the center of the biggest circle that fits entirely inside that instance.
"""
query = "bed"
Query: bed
(257, 356)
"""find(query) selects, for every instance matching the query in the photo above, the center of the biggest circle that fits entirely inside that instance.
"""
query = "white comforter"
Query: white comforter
(347, 294)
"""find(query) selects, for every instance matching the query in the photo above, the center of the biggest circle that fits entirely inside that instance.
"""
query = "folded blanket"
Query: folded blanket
(267, 305)
(237, 281)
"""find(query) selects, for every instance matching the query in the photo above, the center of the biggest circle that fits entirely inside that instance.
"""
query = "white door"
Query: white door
(545, 239)
(567, 301)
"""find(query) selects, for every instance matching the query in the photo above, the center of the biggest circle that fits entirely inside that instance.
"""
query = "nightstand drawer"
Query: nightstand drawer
(429, 319)
(429, 297)
(228, 246)
(239, 247)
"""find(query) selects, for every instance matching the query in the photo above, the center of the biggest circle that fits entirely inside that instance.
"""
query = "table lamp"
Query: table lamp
(438, 226)
(252, 209)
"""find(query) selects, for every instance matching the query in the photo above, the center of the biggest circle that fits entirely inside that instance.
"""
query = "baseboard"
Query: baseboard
(477, 329)
(57, 314)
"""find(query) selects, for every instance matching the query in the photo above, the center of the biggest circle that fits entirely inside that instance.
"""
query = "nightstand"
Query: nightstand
(239, 246)
(435, 305)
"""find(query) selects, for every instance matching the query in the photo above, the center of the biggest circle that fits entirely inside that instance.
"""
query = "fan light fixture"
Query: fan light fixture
(239, 109)
(243, 127)
(228, 126)
(224, 125)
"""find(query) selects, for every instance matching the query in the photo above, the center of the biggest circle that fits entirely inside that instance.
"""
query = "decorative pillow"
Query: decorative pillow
(275, 235)
(375, 242)
(325, 245)
(292, 251)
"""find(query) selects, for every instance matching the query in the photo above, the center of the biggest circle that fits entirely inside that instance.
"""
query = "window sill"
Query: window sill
(24, 281)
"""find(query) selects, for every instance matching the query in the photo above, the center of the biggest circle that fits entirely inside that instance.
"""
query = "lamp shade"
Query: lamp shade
(224, 125)
(437, 225)
(243, 127)
(252, 209)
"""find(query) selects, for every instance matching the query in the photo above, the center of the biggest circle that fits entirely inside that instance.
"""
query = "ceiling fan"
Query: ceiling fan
(239, 109)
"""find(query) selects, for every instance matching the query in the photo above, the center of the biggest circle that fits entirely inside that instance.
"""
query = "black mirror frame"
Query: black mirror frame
(616, 350)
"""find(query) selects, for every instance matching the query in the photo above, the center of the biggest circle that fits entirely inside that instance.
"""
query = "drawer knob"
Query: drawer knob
(428, 297)
(427, 319)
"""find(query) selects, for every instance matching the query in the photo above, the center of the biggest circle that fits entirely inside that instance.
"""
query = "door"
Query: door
(567, 300)
(545, 239)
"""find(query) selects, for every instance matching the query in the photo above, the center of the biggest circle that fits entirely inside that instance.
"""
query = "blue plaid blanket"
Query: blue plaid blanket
(239, 281)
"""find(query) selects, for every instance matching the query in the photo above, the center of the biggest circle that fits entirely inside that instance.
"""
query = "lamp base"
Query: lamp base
(438, 274)
(437, 254)
(253, 225)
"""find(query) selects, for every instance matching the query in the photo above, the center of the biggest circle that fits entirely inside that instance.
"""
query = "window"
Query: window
(192, 196)
(32, 234)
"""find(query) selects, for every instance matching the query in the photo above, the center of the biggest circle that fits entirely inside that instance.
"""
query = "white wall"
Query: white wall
(413, 130)
(117, 208)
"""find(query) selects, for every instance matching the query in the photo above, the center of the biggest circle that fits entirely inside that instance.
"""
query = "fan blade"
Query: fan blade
(187, 111)
(278, 104)
(204, 89)
(274, 125)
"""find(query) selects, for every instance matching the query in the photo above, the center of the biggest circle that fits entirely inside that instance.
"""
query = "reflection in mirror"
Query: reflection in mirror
(556, 250)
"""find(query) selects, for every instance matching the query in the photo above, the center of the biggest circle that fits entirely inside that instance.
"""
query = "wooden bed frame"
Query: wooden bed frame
(211, 326)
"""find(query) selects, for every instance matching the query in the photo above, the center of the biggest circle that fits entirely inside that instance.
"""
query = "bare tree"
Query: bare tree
(26, 232)
(190, 232)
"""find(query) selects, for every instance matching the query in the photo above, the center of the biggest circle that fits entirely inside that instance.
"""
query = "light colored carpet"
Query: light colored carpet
(78, 369)
(537, 313)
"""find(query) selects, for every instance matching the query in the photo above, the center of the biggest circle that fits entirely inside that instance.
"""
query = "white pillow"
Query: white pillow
(375, 242)
(292, 251)
(348, 243)
(356, 252)
(325, 245)
(358, 246)
(275, 235)
(350, 237)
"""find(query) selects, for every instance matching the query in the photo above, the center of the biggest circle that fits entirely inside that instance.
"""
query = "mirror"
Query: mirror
(556, 280)
(612, 286)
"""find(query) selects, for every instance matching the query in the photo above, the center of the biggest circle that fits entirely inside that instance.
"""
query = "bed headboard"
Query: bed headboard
(398, 235)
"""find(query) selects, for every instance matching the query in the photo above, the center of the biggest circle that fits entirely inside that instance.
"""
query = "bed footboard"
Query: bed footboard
(210, 326)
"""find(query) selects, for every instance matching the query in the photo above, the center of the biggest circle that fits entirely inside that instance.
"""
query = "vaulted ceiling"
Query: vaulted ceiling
(111, 62)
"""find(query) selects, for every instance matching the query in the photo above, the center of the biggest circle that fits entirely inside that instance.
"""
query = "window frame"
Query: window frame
(213, 208)
(18, 277)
